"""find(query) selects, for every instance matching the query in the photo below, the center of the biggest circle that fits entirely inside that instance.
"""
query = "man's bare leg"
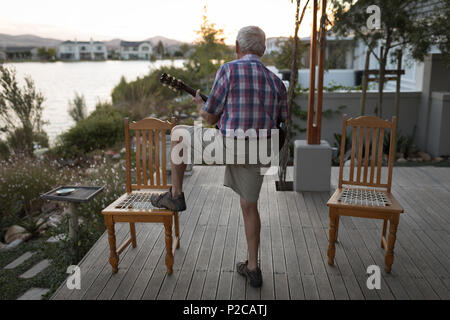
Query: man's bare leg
(177, 174)
(252, 225)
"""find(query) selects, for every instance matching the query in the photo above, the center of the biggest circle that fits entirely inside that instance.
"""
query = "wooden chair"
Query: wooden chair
(150, 173)
(365, 194)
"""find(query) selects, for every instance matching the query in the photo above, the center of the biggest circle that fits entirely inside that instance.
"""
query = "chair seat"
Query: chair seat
(364, 198)
(136, 202)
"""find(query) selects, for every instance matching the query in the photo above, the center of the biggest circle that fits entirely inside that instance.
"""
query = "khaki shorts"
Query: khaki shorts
(242, 169)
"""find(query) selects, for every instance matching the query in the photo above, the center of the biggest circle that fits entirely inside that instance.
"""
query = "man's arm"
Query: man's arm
(208, 117)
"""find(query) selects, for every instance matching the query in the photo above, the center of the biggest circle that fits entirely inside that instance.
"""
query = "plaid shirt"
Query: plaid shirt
(247, 95)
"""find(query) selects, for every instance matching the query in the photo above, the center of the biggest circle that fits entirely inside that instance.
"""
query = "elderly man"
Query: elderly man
(245, 96)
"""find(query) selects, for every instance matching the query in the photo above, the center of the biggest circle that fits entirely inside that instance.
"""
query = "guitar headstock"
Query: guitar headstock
(171, 82)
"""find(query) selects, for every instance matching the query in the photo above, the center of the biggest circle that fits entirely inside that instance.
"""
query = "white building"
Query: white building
(82, 50)
(135, 50)
(273, 44)
(2, 53)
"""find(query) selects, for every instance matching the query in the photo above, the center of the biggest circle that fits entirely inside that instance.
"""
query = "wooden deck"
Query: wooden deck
(294, 243)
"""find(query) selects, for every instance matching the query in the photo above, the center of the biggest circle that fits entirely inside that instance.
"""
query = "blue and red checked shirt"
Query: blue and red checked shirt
(247, 95)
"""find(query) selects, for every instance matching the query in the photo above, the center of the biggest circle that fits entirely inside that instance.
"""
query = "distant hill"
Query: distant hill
(27, 40)
(165, 41)
(114, 43)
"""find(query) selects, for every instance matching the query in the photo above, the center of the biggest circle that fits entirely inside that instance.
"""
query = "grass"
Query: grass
(12, 287)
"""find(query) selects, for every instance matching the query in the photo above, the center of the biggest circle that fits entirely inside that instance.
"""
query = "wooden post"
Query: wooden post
(397, 91)
(314, 120)
(381, 83)
(73, 228)
(365, 82)
(312, 77)
(321, 62)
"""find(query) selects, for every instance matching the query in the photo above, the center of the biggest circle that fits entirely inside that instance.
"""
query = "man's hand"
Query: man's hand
(198, 101)
(208, 117)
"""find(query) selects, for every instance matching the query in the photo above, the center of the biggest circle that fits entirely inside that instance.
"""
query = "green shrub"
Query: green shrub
(77, 108)
(20, 111)
(103, 128)
(18, 140)
(4, 150)
(22, 181)
(146, 96)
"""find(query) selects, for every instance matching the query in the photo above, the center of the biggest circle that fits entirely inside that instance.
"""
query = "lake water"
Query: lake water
(59, 81)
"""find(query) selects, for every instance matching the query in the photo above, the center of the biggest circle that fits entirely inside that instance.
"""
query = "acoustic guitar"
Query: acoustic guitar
(179, 86)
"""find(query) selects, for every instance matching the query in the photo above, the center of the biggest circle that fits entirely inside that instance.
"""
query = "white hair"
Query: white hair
(252, 39)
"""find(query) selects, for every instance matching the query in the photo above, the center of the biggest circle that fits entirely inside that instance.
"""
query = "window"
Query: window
(99, 48)
(83, 48)
(144, 48)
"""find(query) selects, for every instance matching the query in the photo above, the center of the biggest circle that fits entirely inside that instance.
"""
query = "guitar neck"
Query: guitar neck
(192, 91)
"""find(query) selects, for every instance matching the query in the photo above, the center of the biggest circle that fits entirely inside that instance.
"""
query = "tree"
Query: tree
(51, 53)
(20, 112)
(404, 26)
(284, 154)
(160, 49)
(208, 53)
(46, 54)
(283, 58)
(184, 49)
(77, 108)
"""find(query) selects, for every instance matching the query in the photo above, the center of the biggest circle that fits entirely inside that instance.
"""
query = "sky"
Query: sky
(140, 19)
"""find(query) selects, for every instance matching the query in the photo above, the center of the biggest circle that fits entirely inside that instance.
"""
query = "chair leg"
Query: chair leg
(177, 229)
(332, 237)
(383, 234)
(113, 256)
(337, 228)
(389, 257)
(169, 254)
(133, 234)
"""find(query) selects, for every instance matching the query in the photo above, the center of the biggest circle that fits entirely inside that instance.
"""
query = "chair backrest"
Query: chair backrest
(367, 141)
(150, 144)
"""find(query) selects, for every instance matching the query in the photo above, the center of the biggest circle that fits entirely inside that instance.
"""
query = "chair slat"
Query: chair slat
(342, 156)
(163, 151)
(375, 133)
(144, 156)
(380, 154)
(138, 156)
(352, 160)
(366, 153)
(360, 150)
(127, 156)
(392, 151)
(150, 156)
(158, 178)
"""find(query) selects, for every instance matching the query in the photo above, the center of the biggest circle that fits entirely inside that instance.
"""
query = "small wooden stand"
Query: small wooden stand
(79, 195)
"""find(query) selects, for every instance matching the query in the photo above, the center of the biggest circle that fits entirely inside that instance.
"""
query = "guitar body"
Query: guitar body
(178, 85)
